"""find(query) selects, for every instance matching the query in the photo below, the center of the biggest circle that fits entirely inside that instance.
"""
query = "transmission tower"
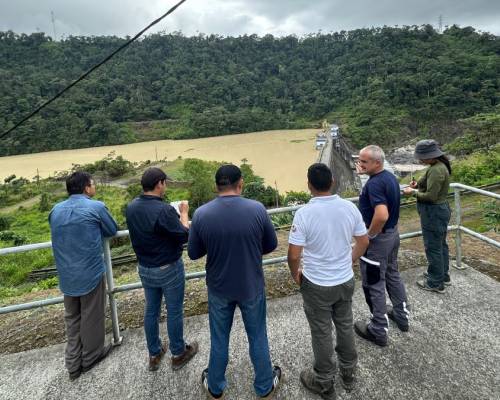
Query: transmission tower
(52, 16)
(440, 23)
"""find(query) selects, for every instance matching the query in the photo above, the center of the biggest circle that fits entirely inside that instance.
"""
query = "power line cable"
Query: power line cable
(36, 111)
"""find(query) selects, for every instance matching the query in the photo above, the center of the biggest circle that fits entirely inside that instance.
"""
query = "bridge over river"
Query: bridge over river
(452, 351)
(337, 154)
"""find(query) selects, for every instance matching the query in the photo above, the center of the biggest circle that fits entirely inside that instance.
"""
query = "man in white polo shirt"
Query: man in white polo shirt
(323, 230)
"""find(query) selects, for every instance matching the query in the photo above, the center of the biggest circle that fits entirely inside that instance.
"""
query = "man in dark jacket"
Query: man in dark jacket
(234, 233)
(157, 233)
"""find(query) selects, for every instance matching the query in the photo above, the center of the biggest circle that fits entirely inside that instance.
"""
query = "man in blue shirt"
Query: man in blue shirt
(78, 226)
(234, 233)
(379, 206)
(157, 233)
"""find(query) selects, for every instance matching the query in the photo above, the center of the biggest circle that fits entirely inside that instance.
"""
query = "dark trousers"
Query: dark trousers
(379, 271)
(85, 331)
(322, 305)
(434, 219)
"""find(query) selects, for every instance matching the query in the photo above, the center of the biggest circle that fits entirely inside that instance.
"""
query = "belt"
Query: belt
(389, 230)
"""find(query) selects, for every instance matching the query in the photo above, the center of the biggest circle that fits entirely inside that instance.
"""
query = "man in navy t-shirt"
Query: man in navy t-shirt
(234, 233)
(379, 206)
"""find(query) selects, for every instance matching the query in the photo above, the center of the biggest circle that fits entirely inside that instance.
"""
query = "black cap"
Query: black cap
(227, 174)
(151, 177)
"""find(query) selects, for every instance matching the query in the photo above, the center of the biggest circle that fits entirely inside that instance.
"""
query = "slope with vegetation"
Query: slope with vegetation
(384, 85)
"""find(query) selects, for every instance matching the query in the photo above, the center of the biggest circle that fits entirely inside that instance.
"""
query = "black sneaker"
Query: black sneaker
(309, 381)
(204, 384)
(361, 328)
(447, 280)
(75, 374)
(403, 327)
(422, 284)
(347, 379)
(276, 382)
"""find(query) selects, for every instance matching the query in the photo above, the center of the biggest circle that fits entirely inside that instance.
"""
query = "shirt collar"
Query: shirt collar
(79, 196)
(150, 197)
(324, 198)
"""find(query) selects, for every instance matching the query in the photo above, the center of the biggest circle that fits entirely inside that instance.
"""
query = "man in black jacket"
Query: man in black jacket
(157, 234)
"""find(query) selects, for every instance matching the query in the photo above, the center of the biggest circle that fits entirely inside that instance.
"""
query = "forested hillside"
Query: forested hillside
(384, 85)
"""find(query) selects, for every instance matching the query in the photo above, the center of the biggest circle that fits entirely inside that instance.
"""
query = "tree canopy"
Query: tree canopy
(382, 84)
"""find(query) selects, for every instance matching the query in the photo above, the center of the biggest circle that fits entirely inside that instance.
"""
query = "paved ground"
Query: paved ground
(451, 352)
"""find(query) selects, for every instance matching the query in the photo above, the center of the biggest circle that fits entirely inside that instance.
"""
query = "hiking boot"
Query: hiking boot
(347, 379)
(422, 284)
(75, 374)
(179, 361)
(276, 382)
(361, 328)
(204, 384)
(447, 280)
(403, 327)
(105, 352)
(309, 381)
(154, 361)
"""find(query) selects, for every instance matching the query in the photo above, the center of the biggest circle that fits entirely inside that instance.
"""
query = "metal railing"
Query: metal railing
(112, 290)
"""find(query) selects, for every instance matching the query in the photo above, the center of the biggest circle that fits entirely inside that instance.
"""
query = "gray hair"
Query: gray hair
(376, 152)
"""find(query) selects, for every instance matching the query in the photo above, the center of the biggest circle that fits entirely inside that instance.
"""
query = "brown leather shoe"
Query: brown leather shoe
(179, 361)
(154, 361)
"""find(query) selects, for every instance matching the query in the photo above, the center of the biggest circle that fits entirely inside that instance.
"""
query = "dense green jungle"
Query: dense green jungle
(383, 85)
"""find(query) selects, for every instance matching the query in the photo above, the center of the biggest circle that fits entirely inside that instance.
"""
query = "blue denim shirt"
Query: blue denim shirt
(77, 226)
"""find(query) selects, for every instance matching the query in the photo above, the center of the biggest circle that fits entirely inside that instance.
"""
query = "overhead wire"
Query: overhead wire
(89, 71)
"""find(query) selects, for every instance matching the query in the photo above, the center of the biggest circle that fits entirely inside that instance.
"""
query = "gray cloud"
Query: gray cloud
(237, 17)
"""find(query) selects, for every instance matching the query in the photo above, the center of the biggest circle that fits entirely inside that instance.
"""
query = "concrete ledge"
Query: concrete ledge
(452, 351)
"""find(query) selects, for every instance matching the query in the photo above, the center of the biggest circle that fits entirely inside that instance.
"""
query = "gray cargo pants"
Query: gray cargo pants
(84, 319)
(322, 304)
(380, 272)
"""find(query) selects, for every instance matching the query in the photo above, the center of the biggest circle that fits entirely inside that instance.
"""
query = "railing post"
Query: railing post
(110, 283)
(458, 232)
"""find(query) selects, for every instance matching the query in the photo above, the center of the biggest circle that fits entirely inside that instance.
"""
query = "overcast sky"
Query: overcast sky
(238, 17)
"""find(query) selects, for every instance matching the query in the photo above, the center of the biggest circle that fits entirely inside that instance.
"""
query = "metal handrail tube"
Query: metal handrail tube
(113, 290)
(32, 304)
(475, 190)
(25, 247)
(480, 237)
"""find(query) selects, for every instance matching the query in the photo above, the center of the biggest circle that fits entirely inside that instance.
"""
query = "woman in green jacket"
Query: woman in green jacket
(431, 192)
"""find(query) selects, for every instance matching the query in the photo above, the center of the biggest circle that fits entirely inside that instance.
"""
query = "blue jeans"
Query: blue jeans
(253, 312)
(166, 281)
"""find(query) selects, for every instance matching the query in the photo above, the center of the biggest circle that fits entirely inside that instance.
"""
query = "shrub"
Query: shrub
(492, 215)
(17, 239)
(5, 222)
(44, 203)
